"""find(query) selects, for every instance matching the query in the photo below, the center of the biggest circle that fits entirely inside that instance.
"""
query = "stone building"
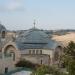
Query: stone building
(6, 60)
(33, 45)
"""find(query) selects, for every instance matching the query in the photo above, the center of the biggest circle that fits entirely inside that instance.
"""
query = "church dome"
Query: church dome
(33, 39)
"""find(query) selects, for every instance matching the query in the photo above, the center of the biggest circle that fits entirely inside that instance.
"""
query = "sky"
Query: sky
(48, 14)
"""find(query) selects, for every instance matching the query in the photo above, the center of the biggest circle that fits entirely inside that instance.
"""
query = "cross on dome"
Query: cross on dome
(34, 23)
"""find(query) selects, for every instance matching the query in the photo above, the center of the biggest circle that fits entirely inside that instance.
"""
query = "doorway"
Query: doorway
(6, 70)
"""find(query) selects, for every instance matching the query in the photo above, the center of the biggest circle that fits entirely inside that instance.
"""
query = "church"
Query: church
(33, 45)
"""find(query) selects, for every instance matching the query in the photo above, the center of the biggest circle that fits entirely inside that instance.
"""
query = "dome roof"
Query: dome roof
(34, 38)
(2, 28)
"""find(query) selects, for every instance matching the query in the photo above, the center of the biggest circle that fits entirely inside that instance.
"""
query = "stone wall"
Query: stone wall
(6, 62)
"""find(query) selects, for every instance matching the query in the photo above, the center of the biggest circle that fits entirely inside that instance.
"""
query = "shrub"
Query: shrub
(26, 64)
(43, 70)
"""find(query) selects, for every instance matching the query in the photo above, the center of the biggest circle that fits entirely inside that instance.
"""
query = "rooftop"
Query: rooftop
(34, 38)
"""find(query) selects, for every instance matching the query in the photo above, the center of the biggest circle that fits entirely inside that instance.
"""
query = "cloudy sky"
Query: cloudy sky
(49, 14)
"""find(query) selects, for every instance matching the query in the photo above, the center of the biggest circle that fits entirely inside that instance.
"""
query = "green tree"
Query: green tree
(43, 70)
(26, 64)
(40, 70)
(69, 58)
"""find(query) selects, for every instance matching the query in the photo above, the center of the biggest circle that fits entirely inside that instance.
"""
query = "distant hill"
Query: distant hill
(65, 39)
(50, 32)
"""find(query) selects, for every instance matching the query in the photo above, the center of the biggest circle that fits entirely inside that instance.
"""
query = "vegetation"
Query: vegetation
(69, 58)
(26, 64)
(69, 63)
(43, 70)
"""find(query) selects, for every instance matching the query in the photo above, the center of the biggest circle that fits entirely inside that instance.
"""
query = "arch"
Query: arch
(8, 45)
(57, 52)
(59, 48)
(12, 49)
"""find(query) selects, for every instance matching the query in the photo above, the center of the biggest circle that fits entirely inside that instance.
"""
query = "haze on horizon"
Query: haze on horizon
(49, 14)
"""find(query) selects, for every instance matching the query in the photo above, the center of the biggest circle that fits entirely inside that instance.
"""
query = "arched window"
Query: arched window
(57, 53)
(29, 51)
(41, 61)
(40, 51)
(3, 34)
(33, 51)
(59, 48)
(13, 55)
(36, 51)
(56, 56)
(10, 50)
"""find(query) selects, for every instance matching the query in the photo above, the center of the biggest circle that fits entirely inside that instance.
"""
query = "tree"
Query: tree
(51, 70)
(26, 64)
(69, 58)
(42, 70)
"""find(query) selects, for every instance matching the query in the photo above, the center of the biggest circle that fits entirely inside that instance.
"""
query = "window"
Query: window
(56, 56)
(33, 51)
(3, 34)
(40, 51)
(36, 51)
(6, 70)
(13, 55)
(13, 39)
(29, 51)
(41, 61)
(59, 48)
